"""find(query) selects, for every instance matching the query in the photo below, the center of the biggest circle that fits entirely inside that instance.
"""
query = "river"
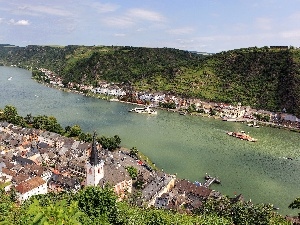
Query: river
(189, 146)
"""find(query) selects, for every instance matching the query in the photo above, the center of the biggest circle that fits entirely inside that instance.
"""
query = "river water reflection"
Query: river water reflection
(187, 145)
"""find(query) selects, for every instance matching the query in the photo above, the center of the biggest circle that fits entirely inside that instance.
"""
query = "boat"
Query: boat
(229, 119)
(113, 100)
(253, 125)
(9, 78)
(145, 110)
(242, 135)
(183, 113)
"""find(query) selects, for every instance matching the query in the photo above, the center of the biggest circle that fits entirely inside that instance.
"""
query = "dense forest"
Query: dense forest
(264, 78)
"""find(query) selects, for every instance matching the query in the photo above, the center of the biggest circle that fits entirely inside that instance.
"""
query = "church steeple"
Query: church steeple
(94, 166)
(94, 153)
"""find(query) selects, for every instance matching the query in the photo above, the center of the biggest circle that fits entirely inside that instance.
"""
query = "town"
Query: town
(37, 162)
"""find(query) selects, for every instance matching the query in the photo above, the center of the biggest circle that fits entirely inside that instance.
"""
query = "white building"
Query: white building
(28, 188)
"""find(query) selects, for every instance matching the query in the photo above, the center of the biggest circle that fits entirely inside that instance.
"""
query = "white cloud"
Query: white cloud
(141, 29)
(181, 31)
(291, 34)
(120, 35)
(22, 22)
(133, 17)
(145, 15)
(121, 22)
(37, 10)
(104, 8)
(19, 22)
(294, 16)
(263, 23)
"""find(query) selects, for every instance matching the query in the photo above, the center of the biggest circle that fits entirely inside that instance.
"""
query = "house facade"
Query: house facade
(28, 188)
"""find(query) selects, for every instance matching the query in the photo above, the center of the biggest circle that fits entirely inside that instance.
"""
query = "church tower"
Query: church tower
(94, 167)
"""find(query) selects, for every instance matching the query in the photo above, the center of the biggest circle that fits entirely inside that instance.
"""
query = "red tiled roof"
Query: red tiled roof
(29, 184)
(8, 172)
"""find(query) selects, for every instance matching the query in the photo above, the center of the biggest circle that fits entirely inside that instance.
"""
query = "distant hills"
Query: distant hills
(265, 78)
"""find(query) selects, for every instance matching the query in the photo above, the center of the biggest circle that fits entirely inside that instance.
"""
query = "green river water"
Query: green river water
(189, 146)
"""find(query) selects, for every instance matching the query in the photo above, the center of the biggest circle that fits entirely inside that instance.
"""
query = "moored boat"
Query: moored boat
(253, 125)
(113, 100)
(145, 110)
(183, 113)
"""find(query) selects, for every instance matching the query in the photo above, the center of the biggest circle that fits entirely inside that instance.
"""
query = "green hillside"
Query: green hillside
(260, 77)
(264, 78)
(94, 205)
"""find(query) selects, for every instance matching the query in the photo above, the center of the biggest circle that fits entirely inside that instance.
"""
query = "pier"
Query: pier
(210, 180)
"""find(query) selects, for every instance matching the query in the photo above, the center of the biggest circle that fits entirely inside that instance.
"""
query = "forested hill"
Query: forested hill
(88, 64)
(261, 77)
(264, 78)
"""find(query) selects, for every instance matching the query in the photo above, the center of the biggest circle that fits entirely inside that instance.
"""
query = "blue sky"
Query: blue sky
(199, 25)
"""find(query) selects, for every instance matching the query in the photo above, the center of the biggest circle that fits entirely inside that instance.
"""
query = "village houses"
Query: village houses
(64, 164)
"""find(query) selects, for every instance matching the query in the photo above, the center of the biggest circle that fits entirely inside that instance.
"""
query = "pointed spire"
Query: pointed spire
(94, 153)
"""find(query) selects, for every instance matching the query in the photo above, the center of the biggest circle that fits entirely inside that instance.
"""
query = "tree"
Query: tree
(9, 212)
(18, 120)
(10, 112)
(28, 118)
(110, 143)
(55, 213)
(134, 151)
(212, 112)
(242, 212)
(47, 123)
(98, 202)
(53, 125)
(191, 108)
(86, 137)
(117, 140)
(67, 129)
(13, 195)
(75, 131)
(133, 172)
(295, 205)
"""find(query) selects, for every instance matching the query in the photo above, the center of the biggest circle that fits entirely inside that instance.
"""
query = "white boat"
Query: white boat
(113, 100)
(145, 110)
(182, 113)
(9, 78)
(229, 119)
(253, 125)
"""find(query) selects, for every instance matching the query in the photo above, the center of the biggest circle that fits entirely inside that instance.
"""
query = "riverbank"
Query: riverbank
(177, 110)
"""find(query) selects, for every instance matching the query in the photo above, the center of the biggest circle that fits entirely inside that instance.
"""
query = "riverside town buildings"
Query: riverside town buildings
(221, 110)
(36, 162)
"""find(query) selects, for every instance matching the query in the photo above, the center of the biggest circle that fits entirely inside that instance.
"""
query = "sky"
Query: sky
(195, 25)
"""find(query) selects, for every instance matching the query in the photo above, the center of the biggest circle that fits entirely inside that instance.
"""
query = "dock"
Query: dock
(210, 180)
